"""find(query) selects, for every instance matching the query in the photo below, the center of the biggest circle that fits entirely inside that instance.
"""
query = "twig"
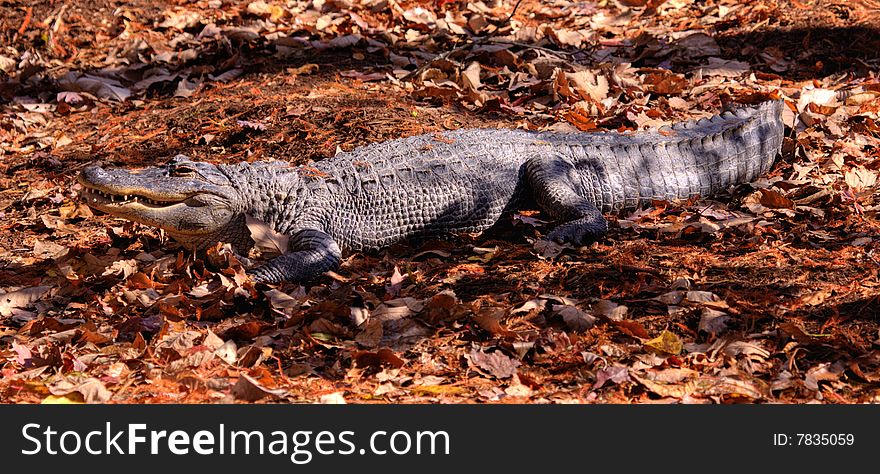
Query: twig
(27, 20)
(529, 46)
(439, 57)
(457, 49)
(506, 20)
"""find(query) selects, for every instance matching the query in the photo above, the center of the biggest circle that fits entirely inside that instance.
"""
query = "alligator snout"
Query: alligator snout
(93, 174)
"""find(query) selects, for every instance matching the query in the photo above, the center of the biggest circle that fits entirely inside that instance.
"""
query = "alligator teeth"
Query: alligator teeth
(124, 197)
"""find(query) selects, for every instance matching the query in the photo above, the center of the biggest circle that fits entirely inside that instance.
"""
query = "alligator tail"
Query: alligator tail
(698, 157)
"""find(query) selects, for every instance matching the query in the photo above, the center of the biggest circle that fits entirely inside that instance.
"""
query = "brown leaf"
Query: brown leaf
(775, 200)
(673, 390)
(325, 330)
(266, 239)
(666, 83)
(589, 85)
(21, 298)
(396, 281)
(282, 301)
(494, 363)
(610, 310)
(824, 372)
(575, 318)
(631, 328)
(490, 321)
(616, 374)
(707, 386)
(713, 321)
(140, 281)
(371, 335)
(303, 70)
(248, 330)
(797, 333)
(443, 307)
(23, 355)
(92, 390)
(860, 178)
(471, 76)
(46, 249)
(251, 356)
(248, 389)
(383, 357)
(365, 77)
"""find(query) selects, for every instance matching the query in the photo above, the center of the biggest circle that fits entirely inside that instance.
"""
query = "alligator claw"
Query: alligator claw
(578, 232)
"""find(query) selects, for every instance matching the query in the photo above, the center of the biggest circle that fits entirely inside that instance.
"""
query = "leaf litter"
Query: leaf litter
(766, 294)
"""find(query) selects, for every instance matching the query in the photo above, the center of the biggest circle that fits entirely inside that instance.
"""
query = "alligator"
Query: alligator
(432, 185)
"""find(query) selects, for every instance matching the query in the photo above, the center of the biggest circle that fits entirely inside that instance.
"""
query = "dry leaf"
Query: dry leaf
(575, 318)
(775, 200)
(266, 239)
(494, 363)
(21, 298)
(666, 342)
(860, 178)
(248, 389)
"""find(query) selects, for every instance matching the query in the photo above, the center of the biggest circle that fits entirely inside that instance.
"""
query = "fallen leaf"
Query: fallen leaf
(335, 398)
(248, 389)
(860, 178)
(494, 363)
(824, 372)
(395, 283)
(631, 328)
(380, 358)
(91, 389)
(46, 249)
(102, 87)
(21, 298)
(372, 334)
(471, 76)
(610, 309)
(73, 398)
(713, 321)
(266, 239)
(490, 320)
(303, 70)
(575, 318)
(282, 301)
(616, 374)
(667, 342)
(438, 390)
(775, 200)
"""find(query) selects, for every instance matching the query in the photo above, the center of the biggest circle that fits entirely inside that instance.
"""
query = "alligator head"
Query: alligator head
(194, 202)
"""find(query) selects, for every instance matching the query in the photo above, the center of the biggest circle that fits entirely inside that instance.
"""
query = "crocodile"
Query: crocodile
(432, 185)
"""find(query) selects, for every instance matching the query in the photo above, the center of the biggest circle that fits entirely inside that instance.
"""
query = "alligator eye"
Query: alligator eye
(182, 170)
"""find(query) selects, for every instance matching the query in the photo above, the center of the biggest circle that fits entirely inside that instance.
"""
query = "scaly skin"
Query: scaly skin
(437, 184)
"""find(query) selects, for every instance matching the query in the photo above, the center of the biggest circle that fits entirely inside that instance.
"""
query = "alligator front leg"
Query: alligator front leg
(314, 252)
(555, 184)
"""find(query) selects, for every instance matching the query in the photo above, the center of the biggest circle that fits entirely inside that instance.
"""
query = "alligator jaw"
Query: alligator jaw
(100, 199)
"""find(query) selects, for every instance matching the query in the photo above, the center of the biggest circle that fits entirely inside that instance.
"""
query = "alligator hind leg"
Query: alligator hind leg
(556, 186)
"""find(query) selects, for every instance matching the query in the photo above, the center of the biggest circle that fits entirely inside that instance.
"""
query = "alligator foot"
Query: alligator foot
(579, 231)
(314, 252)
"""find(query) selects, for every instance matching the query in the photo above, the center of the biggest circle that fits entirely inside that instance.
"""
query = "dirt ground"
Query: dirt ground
(768, 293)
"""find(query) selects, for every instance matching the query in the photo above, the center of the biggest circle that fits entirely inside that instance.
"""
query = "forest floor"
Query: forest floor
(769, 293)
